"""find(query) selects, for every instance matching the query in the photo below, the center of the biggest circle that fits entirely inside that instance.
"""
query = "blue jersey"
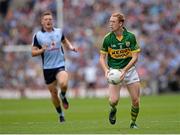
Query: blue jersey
(53, 57)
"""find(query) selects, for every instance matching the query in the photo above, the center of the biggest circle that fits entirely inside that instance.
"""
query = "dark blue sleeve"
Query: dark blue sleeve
(63, 37)
(36, 43)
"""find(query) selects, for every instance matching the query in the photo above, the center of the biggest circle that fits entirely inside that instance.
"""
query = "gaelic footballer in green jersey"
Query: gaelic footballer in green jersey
(120, 51)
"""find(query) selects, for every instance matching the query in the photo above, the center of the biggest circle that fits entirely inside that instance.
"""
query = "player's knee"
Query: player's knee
(135, 102)
(113, 101)
(63, 85)
(53, 92)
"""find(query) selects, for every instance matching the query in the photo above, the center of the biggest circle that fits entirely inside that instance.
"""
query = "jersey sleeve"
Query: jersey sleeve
(62, 32)
(35, 42)
(63, 37)
(104, 47)
(134, 45)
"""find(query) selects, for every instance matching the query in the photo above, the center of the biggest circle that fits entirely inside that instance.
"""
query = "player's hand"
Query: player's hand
(123, 72)
(44, 48)
(74, 49)
(106, 73)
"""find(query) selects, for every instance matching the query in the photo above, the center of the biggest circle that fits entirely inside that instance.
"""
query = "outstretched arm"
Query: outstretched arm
(68, 45)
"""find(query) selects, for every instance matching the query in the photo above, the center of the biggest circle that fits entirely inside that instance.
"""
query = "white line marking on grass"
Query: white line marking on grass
(173, 121)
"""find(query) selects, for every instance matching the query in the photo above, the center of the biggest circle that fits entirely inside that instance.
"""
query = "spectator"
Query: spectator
(155, 22)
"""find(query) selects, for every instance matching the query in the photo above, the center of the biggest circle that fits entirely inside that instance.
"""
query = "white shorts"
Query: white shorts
(131, 76)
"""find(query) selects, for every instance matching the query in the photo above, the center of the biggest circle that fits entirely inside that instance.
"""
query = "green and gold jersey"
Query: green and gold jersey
(119, 49)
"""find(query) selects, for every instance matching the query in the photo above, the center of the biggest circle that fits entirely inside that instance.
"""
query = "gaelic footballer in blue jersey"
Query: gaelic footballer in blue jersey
(49, 43)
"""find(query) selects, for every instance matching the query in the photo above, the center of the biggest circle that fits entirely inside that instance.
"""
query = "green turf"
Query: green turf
(158, 114)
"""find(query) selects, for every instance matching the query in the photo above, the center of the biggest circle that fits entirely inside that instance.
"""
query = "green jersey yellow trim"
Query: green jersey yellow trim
(104, 52)
(138, 50)
(119, 51)
(107, 35)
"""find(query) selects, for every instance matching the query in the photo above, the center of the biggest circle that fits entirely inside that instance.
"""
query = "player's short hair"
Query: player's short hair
(48, 12)
(120, 16)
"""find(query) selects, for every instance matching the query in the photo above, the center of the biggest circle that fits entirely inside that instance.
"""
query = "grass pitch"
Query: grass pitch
(158, 114)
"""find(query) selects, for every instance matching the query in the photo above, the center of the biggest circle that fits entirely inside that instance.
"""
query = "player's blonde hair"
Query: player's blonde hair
(120, 16)
(48, 12)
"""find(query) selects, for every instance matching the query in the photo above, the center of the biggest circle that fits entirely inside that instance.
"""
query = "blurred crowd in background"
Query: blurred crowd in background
(156, 24)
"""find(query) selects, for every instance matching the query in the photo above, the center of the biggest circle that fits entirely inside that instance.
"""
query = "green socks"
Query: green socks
(134, 113)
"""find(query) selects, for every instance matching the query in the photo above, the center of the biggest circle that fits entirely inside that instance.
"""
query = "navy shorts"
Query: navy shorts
(50, 74)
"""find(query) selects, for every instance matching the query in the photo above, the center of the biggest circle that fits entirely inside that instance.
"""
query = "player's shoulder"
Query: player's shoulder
(128, 33)
(57, 29)
(36, 33)
(39, 32)
(108, 35)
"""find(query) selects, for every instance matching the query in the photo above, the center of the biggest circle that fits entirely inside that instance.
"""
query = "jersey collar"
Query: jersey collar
(44, 30)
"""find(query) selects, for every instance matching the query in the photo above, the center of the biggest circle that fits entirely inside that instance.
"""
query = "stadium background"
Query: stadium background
(156, 24)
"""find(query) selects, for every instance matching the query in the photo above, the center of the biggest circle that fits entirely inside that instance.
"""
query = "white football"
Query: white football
(114, 76)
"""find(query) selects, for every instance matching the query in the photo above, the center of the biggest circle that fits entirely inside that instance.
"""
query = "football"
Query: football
(114, 76)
